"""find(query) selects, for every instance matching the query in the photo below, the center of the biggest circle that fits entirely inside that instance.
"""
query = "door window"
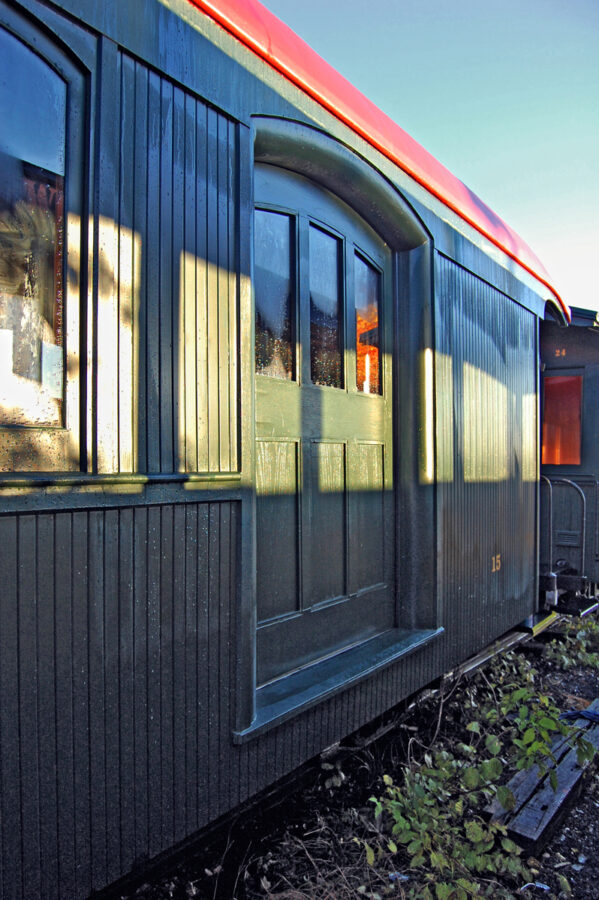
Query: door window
(367, 286)
(274, 294)
(326, 313)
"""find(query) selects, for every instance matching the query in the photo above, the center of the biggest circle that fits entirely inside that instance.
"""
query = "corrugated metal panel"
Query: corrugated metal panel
(166, 330)
(487, 446)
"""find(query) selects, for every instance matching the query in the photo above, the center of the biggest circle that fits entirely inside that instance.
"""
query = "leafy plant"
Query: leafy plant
(578, 644)
(431, 818)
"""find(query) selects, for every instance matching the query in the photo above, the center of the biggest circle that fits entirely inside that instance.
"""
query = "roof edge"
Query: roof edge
(268, 37)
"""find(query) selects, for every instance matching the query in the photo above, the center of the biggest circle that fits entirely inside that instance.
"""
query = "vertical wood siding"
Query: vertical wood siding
(166, 328)
(114, 672)
(117, 669)
(487, 451)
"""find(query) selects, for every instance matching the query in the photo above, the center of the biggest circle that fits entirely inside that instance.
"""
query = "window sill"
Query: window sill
(285, 698)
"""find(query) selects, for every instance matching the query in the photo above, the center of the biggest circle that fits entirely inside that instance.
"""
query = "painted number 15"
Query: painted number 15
(496, 563)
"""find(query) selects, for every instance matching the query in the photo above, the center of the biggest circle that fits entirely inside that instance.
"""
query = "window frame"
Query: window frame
(29, 449)
(355, 242)
(563, 373)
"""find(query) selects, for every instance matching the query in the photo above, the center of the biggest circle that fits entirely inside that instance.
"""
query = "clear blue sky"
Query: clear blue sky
(505, 93)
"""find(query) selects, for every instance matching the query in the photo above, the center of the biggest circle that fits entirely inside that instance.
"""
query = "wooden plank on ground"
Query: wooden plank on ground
(538, 806)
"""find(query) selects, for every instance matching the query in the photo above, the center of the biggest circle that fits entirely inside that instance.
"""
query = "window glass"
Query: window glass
(32, 154)
(326, 326)
(367, 293)
(275, 294)
(562, 420)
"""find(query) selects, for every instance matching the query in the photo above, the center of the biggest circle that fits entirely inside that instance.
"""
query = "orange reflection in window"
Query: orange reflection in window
(367, 330)
(561, 420)
(367, 293)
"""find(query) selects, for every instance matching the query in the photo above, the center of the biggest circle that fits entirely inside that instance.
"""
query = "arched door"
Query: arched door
(325, 533)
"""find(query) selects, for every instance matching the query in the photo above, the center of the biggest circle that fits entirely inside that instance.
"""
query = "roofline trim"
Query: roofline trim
(265, 35)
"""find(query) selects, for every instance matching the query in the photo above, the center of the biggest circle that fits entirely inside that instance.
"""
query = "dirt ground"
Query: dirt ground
(300, 845)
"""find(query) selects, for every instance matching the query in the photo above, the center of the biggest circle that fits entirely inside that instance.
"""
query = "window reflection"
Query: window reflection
(31, 239)
(325, 310)
(367, 292)
(562, 420)
(275, 294)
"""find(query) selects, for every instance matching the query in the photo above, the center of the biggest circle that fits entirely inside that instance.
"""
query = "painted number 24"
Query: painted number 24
(496, 563)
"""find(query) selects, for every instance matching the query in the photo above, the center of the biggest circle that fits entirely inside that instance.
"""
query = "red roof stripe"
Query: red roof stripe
(268, 37)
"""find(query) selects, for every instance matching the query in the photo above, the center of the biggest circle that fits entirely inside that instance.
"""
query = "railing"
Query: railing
(551, 482)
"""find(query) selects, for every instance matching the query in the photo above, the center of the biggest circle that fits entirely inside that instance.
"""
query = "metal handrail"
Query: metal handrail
(579, 490)
(544, 478)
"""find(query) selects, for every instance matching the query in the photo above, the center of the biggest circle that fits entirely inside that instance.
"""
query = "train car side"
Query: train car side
(268, 440)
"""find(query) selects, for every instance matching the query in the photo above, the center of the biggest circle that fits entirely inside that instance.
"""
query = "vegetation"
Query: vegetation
(431, 817)
(577, 645)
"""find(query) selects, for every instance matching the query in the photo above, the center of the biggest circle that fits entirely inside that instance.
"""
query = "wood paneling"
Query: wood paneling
(327, 553)
(487, 444)
(366, 515)
(166, 322)
(116, 647)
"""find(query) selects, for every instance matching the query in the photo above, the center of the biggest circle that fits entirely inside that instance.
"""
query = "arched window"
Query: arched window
(32, 169)
(40, 170)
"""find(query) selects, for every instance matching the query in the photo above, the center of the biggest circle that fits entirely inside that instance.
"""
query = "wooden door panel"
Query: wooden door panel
(277, 528)
(325, 516)
(366, 515)
(326, 546)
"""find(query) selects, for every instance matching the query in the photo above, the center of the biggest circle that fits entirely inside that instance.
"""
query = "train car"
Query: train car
(569, 560)
(269, 451)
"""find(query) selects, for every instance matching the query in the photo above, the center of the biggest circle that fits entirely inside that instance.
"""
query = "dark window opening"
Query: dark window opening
(326, 319)
(275, 294)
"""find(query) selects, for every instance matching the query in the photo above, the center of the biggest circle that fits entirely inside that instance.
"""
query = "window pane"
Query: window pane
(31, 239)
(367, 293)
(326, 328)
(561, 420)
(275, 294)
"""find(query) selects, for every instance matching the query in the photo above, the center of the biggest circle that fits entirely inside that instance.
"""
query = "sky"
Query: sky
(505, 93)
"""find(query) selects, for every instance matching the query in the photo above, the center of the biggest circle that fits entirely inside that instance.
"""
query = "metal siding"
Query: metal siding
(488, 348)
(126, 686)
(10, 820)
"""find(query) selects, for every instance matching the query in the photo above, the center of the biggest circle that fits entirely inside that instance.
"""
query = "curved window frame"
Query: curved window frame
(30, 448)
